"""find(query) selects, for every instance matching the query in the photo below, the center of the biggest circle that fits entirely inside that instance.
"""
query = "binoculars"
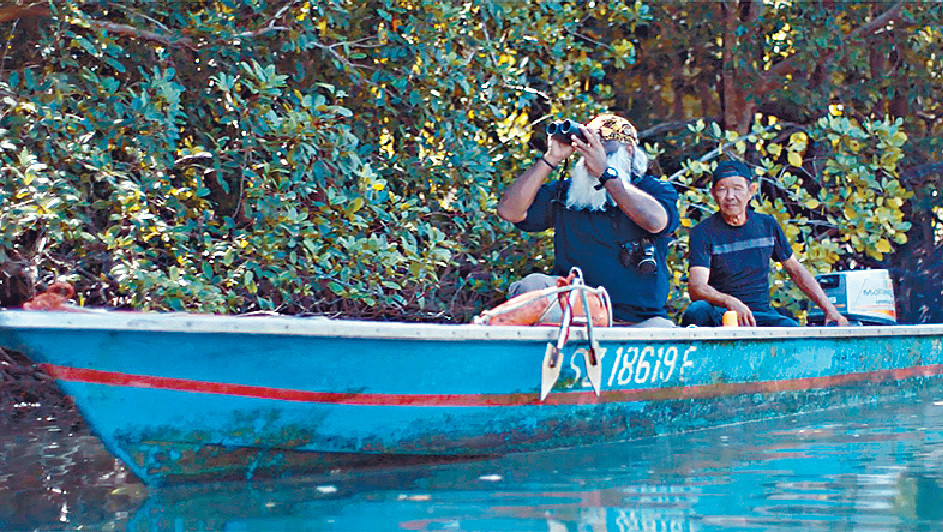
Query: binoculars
(565, 130)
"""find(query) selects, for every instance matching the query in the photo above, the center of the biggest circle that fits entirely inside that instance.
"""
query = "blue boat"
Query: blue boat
(184, 397)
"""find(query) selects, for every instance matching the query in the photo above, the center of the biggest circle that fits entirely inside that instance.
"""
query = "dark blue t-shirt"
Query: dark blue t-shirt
(591, 241)
(738, 257)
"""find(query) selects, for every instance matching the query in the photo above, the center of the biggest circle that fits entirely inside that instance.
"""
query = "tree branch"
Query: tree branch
(146, 35)
(8, 13)
(774, 75)
(666, 127)
(281, 12)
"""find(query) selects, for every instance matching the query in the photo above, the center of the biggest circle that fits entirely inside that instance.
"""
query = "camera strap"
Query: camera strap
(563, 187)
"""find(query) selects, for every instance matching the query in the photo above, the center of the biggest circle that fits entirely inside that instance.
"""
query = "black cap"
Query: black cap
(731, 168)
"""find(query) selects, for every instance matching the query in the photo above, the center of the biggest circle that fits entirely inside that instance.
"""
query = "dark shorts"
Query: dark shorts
(703, 314)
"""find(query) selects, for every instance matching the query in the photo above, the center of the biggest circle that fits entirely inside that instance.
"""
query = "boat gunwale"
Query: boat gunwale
(180, 322)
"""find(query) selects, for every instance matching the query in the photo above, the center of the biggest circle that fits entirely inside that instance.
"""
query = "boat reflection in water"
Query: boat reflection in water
(866, 467)
(54, 478)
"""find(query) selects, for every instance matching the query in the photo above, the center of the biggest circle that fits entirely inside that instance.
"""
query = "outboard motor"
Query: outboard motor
(862, 296)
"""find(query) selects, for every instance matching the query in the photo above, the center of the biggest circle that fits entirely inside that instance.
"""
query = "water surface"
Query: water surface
(877, 467)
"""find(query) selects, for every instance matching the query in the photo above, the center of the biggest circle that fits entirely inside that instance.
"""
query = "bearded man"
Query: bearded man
(611, 219)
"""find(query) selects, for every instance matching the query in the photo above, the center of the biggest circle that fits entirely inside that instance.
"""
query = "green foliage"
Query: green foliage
(328, 157)
(345, 157)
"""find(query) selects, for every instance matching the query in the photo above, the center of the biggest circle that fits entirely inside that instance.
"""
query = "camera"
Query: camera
(564, 130)
(639, 253)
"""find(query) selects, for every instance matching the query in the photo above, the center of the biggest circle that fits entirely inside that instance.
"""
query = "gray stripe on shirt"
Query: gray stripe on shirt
(753, 243)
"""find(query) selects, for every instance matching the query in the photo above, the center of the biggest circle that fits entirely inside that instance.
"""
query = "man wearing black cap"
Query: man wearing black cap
(729, 259)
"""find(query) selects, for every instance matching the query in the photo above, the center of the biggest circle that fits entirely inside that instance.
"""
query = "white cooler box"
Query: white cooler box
(865, 296)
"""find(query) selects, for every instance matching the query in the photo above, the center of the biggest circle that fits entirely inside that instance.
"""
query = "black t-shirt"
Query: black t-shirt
(738, 257)
(591, 241)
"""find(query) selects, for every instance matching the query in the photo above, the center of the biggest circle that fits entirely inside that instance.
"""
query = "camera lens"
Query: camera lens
(646, 263)
(646, 266)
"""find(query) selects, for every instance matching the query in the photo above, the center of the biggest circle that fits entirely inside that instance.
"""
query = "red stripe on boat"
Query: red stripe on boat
(702, 391)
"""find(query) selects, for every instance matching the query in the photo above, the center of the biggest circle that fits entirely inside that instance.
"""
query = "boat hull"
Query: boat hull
(186, 398)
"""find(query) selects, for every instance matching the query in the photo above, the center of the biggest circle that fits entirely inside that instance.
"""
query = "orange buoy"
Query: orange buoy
(545, 307)
(56, 297)
(525, 309)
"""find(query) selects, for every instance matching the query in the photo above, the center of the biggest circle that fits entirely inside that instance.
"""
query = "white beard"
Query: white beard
(583, 195)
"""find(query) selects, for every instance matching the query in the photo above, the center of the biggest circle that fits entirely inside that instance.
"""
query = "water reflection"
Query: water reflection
(870, 468)
(53, 478)
(864, 468)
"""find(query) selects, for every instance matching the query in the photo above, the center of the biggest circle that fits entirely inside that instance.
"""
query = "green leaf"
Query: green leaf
(794, 159)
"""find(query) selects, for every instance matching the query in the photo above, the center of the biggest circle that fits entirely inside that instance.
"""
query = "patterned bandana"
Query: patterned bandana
(613, 127)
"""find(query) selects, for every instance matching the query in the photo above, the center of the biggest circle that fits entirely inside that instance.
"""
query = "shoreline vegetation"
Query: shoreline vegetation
(344, 159)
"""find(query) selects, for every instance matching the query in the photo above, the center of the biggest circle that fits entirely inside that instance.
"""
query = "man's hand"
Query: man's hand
(810, 286)
(833, 316)
(593, 151)
(557, 151)
(744, 315)
(698, 288)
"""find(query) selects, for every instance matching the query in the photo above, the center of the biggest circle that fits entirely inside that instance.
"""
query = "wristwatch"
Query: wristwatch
(609, 173)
